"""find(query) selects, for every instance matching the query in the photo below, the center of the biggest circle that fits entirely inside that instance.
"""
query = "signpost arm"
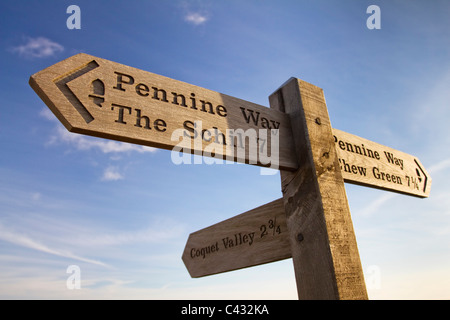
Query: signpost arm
(323, 243)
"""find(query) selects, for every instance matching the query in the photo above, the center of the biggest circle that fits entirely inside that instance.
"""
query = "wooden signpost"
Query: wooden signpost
(252, 238)
(97, 97)
(361, 162)
(371, 164)
(311, 223)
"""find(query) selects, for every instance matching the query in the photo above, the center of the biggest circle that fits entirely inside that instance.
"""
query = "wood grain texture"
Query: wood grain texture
(367, 163)
(98, 97)
(252, 238)
(323, 243)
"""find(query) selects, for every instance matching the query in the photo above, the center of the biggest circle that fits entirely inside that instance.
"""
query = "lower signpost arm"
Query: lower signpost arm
(323, 243)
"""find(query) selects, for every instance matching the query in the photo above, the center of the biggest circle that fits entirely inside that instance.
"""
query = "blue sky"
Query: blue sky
(122, 213)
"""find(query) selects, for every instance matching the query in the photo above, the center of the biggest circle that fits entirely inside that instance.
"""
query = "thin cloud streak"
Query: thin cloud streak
(143, 236)
(27, 242)
(439, 166)
(375, 205)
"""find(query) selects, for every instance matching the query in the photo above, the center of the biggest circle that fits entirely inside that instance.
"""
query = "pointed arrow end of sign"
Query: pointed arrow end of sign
(187, 259)
(423, 176)
(36, 84)
(50, 85)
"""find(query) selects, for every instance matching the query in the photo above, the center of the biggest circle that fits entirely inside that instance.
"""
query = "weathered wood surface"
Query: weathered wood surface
(94, 96)
(252, 238)
(323, 244)
(97, 97)
(371, 164)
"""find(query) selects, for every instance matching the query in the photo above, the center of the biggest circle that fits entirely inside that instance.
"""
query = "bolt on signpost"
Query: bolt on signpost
(311, 223)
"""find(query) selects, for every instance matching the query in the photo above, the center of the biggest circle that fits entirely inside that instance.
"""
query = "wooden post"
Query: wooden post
(323, 243)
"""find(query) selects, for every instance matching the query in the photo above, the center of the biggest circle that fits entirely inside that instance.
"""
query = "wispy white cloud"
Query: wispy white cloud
(112, 174)
(88, 143)
(377, 204)
(85, 143)
(195, 18)
(39, 47)
(23, 240)
(439, 166)
(48, 115)
(195, 13)
(165, 231)
(36, 196)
